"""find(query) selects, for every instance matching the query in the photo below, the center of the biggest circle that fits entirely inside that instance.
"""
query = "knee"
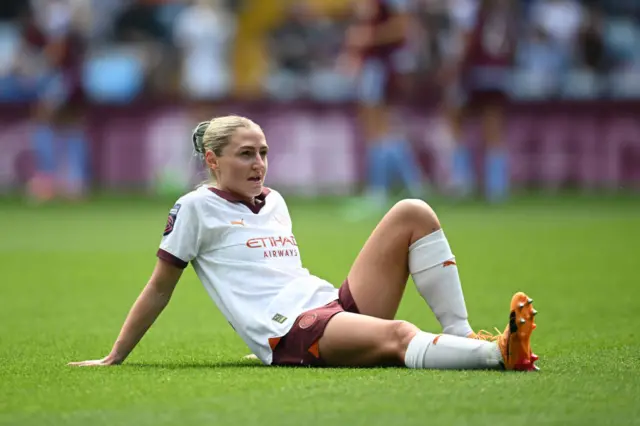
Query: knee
(417, 214)
(400, 334)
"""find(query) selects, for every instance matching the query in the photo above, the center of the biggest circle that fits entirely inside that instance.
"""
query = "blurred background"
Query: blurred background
(101, 95)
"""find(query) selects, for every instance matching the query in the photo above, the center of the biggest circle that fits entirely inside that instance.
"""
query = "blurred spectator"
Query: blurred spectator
(53, 51)
(98, 18)
(567, 48)
(302, 50)
(289, 54)
(591, 54)
(204, 32)
(560, 20)
(115, 69)
(139, 20)
(9, 48)
(432, 34)
(11, 10)
(489, 31)
(540, 63)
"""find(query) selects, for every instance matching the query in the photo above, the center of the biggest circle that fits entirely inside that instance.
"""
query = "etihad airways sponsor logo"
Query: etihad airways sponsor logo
(275, 246)
(273, 242)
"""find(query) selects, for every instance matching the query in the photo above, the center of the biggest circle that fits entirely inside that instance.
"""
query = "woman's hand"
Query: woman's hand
(108, 360)
(144, 312)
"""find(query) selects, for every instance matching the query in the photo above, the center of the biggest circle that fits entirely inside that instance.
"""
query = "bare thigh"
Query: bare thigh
(354, 340)
(379, 274)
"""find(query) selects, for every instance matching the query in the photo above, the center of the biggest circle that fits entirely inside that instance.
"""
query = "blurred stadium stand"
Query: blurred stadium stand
(254, 48)
(210, 57)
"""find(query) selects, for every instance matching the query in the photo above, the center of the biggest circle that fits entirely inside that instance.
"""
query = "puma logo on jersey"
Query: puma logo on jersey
(238, 222)
(279, 318)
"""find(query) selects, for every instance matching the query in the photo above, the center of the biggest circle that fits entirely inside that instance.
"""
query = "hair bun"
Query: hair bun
(197, 138)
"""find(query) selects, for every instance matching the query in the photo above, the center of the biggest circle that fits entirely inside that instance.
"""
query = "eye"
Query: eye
(264, 153)
(246, 153)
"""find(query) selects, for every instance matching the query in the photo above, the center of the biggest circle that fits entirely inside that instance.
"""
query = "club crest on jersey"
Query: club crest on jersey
(173, 214)
(307, 320)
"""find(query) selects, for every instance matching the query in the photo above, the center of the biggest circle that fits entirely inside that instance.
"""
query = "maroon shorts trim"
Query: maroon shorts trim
(346, 299)
(299, 347)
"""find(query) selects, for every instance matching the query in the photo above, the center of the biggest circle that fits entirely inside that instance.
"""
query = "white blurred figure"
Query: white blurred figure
(560, 19)
(204, 31)
(9, 47)
(564, 21)
(540, 64)
(290, 53)
(475, 77)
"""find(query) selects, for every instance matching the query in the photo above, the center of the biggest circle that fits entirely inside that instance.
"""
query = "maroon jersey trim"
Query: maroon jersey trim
(168, 257)
(260, 200)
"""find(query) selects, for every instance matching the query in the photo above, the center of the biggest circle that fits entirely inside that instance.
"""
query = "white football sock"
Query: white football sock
(432, 266)
(444, 352)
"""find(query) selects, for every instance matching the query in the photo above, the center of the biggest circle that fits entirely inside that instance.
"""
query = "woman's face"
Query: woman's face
(242, 166)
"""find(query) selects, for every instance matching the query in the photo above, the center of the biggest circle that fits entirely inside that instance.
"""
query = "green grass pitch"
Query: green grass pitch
(69, 274)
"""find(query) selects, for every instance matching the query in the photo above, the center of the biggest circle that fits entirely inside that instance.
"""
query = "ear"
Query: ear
(211, 159)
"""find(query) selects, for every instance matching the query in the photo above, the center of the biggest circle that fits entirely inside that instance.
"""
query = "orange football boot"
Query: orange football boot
(484, 335)
(515, 342)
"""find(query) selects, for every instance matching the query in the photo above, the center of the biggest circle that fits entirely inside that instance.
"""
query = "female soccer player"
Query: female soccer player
(237, 234)
(477, 81)
(377, 52)
(51, 36)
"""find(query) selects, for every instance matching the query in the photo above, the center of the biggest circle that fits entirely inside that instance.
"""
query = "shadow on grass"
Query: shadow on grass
(192, 365)
(245, 364)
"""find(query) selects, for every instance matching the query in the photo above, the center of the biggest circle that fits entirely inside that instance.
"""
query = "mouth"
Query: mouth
(255, 179)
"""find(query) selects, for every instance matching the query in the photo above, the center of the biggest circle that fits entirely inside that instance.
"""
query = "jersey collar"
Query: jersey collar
(260, 200)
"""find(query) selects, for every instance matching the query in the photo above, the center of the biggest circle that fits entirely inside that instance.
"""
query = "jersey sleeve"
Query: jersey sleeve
(179, 243)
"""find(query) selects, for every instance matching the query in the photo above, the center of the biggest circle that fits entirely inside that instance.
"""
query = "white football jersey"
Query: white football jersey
(248, 260)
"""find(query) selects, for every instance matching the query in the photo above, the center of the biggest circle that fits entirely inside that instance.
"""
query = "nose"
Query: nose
(259, 163)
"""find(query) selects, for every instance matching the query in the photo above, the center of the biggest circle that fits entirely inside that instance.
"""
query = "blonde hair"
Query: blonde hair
(215, 134)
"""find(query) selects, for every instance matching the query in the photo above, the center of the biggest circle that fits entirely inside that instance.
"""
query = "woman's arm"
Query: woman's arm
(154, 297)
